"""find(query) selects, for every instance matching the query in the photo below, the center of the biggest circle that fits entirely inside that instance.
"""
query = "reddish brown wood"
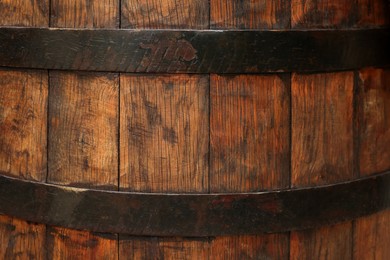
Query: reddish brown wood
(322, 154)
(85, 13)
(24, 13)
(164, 133)
(339, 14)
(165, 14)
(252, 14)
(249, 124)
(371, 234)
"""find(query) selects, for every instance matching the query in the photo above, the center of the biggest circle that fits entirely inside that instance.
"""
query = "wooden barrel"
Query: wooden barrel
(243, 130)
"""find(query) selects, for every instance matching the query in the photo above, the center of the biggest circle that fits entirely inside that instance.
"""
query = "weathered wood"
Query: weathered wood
(163, 248)
(23, 117)
(339, 14)
(20, 239)
(371, 234)
(71, 244)
(23, 127)
(272, 246)
(165, 14)
(249, 122)
(374, 120)
(24, 13)
(193, 51)
(322, 153)
(83, 129)
(84, 13)
(164, 133)
(251, 14)
(193, 215)
(23, 122)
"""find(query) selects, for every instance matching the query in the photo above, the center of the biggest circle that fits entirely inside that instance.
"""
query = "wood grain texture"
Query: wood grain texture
(85, 13)
(24, 13)
(249, 142)
(20, 239)
(83, 129)
(374, 120)
(165, 14)
(163, 248)
(322, 153)
(372, 233)
(328, 242)
(251, 14)
(372, 236)
(273, 246)
(83, 151)
(164, 133)
(79, 245)
(249, 136)
(339, 14)
(23, 127)
(322, 141)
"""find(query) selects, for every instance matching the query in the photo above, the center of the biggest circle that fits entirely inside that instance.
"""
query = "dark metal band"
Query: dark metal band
(193, 214)
(184, 51)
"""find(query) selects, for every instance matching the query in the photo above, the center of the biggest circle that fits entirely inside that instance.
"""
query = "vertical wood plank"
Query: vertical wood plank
(372, 233)
(23, 127)
(339, 14)
(249, 128)
(163, 248)
(34, 13)
(164, 127)
(164, 133)
(23, 124)
(253, 14)
(165, 14)
(249, 123)
(85, 13)
(374, 121)
(273, 246)
(83, 135)
(249, 132)
(79, 245)
(83, 129)
(322, 145)
(20, 239)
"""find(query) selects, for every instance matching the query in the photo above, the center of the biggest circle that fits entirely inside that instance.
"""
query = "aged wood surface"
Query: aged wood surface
(83, 129)
(322, 153)
(165, 14)
(194, 51)
(83, 145)
(164, 133)
(176, 125)
(24, 13)
(20, 239)
(193, 215)
(249, 124)
(84, 13)
(23, 122)
(260, 122)
(252, 14)
(339, 14)
(163, 248)
(371, 234)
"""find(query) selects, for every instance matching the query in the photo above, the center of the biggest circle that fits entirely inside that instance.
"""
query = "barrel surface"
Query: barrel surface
(207, 131)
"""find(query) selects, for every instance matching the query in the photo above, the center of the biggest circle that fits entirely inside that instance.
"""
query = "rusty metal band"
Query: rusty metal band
(193, 215)
(191, 51)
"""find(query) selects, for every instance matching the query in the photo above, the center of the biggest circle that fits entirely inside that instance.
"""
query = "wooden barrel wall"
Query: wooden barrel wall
(195, 133)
